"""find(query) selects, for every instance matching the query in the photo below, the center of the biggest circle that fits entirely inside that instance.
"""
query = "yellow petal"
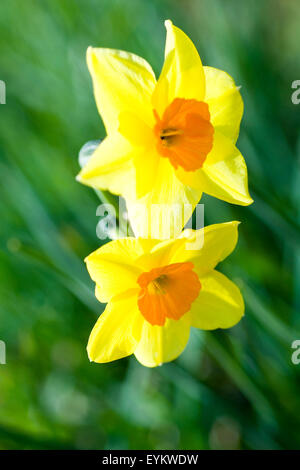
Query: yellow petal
(223, 175)
(122, 82)
(114, 268)
(159, 344)
(146, 159)
(219, 304)
(111, 166)
(146, 168)
(117, 331)
(182, 75)
(136, 130)
(160, 254)
(225, 102)
(227, 180)
(164, 211)
(205, 248)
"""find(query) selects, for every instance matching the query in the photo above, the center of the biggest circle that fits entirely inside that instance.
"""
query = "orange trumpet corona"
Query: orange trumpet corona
(185, 133)
(167, 292)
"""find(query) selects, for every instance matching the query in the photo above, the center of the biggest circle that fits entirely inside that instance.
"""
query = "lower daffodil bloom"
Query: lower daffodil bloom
(156, 290)
(167, 140)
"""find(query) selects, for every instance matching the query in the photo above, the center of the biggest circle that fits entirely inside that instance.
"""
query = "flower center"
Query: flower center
(167, 292)
(184, 133)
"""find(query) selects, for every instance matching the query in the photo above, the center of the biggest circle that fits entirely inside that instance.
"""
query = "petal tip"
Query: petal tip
(168, 24)
(90, 57)
(83, 177)
(78, 177)
(247, 202)
(89, 52)
(89, 353)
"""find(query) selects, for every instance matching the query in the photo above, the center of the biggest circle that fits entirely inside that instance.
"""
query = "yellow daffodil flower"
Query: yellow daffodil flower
(167, 140)
(156, 290)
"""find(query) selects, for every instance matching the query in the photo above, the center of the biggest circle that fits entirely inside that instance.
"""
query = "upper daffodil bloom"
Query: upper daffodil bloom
(167, 140)
(156, 290)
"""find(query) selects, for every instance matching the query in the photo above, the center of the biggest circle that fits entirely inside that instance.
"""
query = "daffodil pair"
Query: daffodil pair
(167, 142)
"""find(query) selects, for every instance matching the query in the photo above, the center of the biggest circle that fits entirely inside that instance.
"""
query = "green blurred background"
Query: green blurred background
(229, 389)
